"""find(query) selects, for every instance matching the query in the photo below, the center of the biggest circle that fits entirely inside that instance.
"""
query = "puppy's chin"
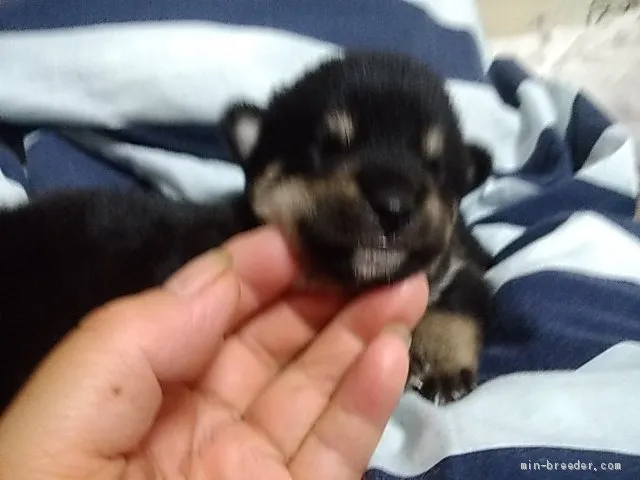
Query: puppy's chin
(356, 264)
(376, 264)
(357, 269)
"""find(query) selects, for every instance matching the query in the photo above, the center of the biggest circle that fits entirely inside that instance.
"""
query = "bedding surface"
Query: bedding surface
(127, 95)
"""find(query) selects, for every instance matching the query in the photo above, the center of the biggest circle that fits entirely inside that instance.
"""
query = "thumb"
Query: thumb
(99, 390)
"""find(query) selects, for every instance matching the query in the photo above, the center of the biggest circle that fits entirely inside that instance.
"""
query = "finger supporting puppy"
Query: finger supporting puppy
(253, 356)
(342, 441)
(289, 407)
(195, 276)
(276, 257)
(405, 301)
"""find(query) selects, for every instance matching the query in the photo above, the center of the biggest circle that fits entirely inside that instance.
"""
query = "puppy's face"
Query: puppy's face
(362, 165)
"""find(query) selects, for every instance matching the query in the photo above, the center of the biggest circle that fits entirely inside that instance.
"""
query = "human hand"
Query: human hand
(220, 373)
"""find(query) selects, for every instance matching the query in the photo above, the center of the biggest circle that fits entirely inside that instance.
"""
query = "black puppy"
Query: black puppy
(361, 163)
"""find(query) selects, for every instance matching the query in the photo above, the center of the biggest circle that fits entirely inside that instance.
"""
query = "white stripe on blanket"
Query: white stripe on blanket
(590, 409)
(114, 75)
(586, 243)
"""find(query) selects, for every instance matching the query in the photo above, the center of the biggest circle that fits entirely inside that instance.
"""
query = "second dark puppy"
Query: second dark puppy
(361, 163)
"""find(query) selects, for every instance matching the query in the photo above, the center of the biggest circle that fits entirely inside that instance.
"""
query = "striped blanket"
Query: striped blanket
(127, 95)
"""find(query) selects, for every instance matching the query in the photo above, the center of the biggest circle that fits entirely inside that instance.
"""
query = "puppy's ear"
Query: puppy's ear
(241, 126)
(479, 169)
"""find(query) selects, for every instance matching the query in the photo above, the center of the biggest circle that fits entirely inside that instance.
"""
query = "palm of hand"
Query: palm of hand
(266, 407)
(218, 374)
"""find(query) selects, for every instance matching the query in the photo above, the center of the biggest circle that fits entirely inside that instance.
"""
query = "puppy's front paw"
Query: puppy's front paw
(445, 351)
(445, 387)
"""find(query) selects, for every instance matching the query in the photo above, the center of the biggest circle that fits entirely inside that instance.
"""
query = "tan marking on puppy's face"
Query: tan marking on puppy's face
(281, 200)
(433, 141)
(440, 215)
(286, 200)
(340, 126)
(334, 207)
(637, 214)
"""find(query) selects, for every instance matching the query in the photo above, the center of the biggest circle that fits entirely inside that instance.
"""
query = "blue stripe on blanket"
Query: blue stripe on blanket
(199, 140)
(563, 199)
(550, 162)
(587, 125)
(556, 214)
(548, 223)
(55, 164)
(10, 165)
(576, 317)
(384, 24)
(507, 75)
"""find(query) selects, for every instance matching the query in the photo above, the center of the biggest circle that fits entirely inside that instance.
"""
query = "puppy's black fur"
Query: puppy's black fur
(65, 254)
(360, 162)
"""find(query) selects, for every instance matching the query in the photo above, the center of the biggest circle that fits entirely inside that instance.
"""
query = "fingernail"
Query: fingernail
(194, 277)
(401, 331)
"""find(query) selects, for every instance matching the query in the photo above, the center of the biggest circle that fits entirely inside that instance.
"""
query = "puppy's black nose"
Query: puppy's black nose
(393, 207)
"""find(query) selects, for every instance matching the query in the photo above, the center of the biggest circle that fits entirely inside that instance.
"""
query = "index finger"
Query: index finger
(265, 266)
